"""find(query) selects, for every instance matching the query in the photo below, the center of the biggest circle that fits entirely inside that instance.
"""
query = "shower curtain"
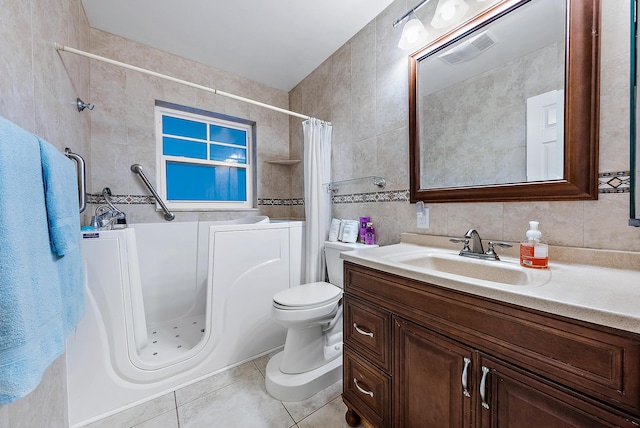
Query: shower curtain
(317, 200)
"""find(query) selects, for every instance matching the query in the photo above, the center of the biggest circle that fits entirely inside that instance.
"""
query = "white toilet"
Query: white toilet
(312, 313)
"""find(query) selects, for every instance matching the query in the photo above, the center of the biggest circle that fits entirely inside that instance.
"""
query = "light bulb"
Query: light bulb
(448, 11)
(413, 35)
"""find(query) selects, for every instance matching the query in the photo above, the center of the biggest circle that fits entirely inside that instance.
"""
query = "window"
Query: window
(206, 161)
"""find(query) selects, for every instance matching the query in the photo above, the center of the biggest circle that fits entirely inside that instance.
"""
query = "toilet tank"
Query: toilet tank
(332, 252)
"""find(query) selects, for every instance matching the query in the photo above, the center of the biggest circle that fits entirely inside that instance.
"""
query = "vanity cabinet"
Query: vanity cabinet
(419, 355)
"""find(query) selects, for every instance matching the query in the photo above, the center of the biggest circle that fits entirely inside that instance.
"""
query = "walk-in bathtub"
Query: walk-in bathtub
(172, 303)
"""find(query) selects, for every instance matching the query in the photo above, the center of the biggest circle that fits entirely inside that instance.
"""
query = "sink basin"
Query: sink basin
(486, 270)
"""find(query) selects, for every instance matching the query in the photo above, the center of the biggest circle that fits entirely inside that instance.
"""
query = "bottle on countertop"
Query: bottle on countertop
(370, 234)
(534, 252)
(363, 227)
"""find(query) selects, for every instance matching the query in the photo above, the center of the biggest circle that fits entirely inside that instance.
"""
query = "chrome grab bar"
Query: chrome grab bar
(81, 170)
(137, 168)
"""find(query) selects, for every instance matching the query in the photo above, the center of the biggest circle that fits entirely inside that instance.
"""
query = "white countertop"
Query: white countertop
(600, 293)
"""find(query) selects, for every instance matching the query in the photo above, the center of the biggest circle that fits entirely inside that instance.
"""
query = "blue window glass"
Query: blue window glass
(227, 154)
(222, 134)
(191, 182)
(184, 128)
(186, 148)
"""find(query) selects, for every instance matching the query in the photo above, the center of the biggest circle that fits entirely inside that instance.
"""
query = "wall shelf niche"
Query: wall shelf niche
(283, 161)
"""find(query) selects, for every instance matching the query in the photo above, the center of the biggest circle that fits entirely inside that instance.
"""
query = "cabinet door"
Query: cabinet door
(513, 398)
(433, 379)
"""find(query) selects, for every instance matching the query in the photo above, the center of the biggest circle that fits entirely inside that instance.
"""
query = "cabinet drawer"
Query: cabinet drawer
(368, 388)
(367, 330)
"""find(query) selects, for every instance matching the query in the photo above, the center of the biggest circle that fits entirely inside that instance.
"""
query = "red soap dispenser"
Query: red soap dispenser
(534, 253)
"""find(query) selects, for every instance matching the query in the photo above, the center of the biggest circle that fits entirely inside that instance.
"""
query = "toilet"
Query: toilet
(312, 314)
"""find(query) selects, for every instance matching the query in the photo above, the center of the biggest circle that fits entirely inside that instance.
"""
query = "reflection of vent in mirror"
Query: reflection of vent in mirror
(469, 49)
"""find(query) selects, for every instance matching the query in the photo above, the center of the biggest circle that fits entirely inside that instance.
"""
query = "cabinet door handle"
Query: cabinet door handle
(364, 391)
(465, 377)
(483, 387)
(359, 330)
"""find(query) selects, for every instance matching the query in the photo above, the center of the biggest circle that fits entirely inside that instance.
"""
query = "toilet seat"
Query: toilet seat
(307, 296)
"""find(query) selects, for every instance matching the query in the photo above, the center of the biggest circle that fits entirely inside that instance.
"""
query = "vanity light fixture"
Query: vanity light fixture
(448, 12)
(414, 34)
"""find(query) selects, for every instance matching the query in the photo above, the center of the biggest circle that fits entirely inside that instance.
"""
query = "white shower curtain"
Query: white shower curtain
(317, 200)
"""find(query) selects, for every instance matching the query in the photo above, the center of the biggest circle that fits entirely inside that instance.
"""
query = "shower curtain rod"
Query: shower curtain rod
(64, 48)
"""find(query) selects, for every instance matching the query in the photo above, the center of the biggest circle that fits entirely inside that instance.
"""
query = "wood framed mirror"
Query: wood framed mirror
(577, 117)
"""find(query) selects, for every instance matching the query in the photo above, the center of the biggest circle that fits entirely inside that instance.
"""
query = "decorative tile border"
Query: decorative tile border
(386, 196)
(122, 199)
(614, 182)
(274, 201)
(608, 182)
(150, 200)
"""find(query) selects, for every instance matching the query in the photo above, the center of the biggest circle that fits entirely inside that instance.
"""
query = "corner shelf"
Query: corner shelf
(284, 161)
(334, 186)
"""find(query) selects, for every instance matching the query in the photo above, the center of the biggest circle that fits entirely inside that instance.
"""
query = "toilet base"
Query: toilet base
(300, 386)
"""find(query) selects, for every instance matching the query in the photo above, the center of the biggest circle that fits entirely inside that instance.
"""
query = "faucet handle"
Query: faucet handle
(491, 252)
(463, 240)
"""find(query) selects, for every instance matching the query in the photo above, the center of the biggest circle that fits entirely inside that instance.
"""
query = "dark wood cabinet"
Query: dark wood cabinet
(432, 379)
(419, 355)
(515, 398)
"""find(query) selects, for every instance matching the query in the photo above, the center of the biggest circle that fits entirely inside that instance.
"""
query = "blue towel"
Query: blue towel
(61, 197)
(41, 296)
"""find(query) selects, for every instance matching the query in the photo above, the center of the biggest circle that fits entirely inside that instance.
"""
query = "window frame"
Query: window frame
(163, 108)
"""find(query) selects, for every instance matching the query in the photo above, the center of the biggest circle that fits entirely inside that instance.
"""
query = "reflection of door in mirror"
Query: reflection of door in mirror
(491, 104)
(545, 136)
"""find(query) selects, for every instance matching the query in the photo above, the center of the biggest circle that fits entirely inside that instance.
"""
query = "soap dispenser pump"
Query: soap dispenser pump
(534, 253)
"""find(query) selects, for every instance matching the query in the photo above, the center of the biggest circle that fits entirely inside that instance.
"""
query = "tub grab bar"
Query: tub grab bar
(137, 168)
(81, 170)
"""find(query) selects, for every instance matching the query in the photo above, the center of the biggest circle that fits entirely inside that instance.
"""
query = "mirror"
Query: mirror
(505, 107)
(634, 215)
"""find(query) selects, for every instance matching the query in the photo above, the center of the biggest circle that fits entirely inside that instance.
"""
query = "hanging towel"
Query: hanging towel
(61, 198)
(63, 218)
(40, 292)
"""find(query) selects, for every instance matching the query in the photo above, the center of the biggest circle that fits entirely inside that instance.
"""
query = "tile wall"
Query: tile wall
(123, 131)
(362, 90)
(38, 88)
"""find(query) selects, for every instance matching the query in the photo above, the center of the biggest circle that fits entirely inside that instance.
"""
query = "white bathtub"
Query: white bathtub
(172, 303)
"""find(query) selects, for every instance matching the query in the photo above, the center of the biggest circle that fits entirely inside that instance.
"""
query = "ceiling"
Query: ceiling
(277, 43)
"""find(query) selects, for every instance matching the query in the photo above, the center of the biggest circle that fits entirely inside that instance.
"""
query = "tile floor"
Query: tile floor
(234, 398)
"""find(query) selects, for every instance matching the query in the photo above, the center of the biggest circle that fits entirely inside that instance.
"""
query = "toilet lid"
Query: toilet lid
(311, 294)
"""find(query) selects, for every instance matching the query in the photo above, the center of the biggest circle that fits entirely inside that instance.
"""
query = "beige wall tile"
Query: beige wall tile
(605, 224)
(123, 129)
(379, 105)
(39, 86)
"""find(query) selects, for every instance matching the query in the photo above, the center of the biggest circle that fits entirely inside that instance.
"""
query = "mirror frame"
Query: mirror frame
(582, 114)
(634, 215)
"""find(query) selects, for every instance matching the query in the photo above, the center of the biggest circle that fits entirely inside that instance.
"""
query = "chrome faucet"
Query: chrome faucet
(476, 246)
(477, 250)
(106, 218)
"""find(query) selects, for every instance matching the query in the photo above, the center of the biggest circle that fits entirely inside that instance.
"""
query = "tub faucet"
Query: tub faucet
(106, 218)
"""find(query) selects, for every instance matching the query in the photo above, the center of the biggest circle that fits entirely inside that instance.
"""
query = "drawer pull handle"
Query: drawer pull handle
(465, 377)
(483, 387)
(359, 330)
(364, 391)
